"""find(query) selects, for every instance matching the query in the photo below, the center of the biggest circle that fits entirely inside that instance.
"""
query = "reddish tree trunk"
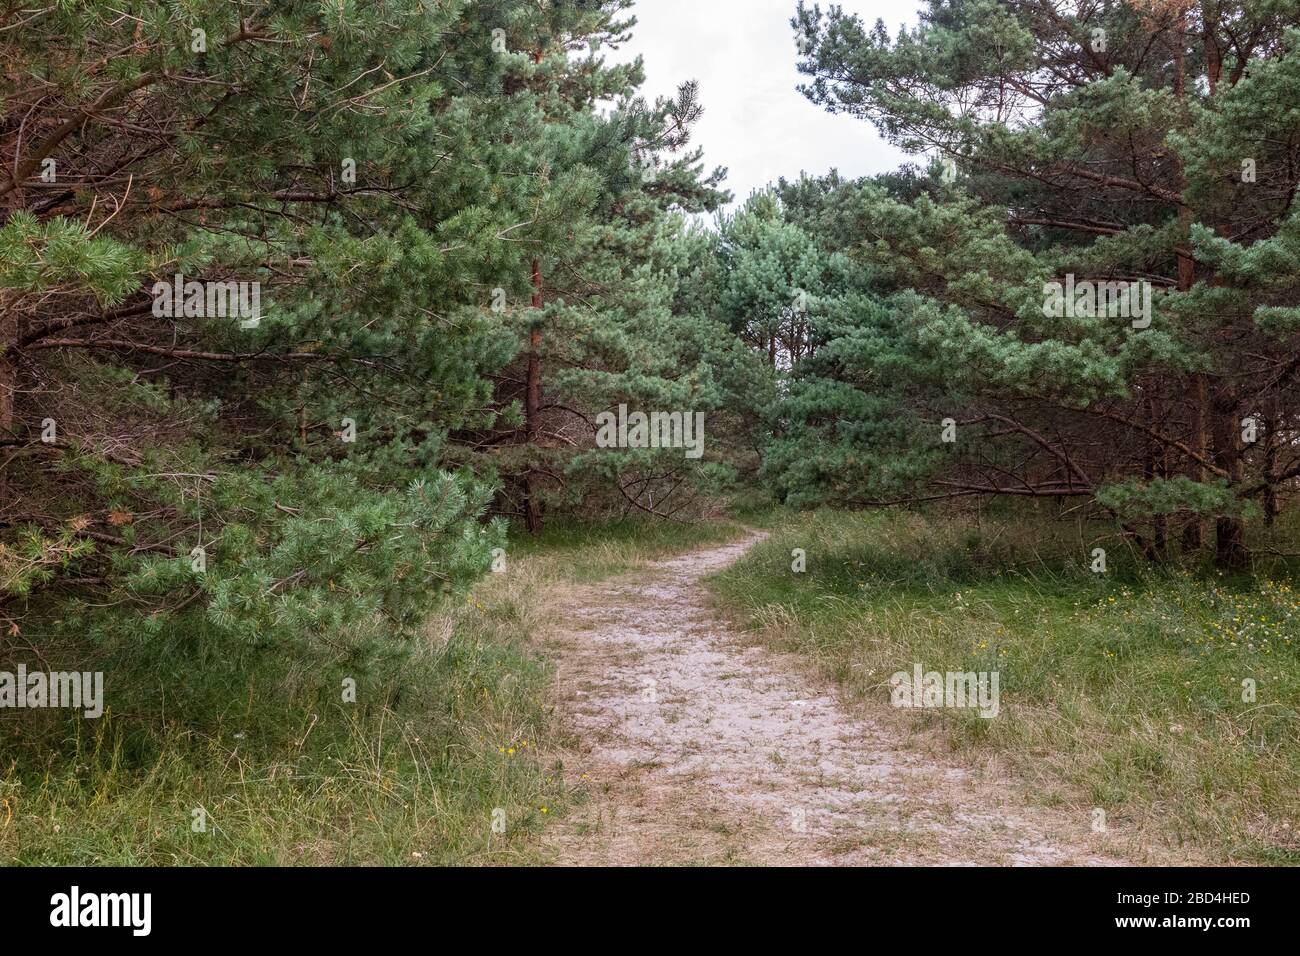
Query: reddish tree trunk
(1193, 530)
(533, 404)
(533, 392)
(1230, 552)
(1270, 467)
(8, 381)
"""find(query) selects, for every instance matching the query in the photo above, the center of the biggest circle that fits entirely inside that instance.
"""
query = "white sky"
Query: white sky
(755, 121)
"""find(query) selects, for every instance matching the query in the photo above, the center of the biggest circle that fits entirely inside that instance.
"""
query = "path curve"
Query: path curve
(697, 747)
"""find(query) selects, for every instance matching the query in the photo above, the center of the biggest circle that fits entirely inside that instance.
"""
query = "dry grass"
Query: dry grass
(408, 775)
(1120, 692)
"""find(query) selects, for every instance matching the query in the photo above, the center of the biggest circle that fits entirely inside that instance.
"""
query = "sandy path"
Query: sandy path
(696, 748)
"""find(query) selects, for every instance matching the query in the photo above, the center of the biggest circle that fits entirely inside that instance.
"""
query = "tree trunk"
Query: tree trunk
(1230, 551)
(1193, 531)
(1152, 469)
(533, 404)
(533, 392)
(8, 388)
(1270, 466)
(8, 376)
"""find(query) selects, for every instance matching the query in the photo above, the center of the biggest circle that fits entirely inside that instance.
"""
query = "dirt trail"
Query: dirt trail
(696, 748)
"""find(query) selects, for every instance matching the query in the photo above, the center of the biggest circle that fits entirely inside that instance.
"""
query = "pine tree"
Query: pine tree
(271, 478)
(1133, 143)
(611, 172)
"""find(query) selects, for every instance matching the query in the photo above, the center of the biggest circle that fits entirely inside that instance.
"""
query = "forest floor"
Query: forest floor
(695, 745)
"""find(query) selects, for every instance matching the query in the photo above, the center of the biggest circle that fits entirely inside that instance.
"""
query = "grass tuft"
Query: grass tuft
(1122, 690)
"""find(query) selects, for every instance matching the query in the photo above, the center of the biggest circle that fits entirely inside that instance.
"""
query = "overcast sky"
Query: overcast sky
(755, 121)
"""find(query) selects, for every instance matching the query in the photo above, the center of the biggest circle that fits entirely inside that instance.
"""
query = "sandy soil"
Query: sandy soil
(696, 747)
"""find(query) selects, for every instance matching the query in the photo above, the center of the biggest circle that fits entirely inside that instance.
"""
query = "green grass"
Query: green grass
(411, 780)
(1121, 691)
(408, 775)
(583, 552)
